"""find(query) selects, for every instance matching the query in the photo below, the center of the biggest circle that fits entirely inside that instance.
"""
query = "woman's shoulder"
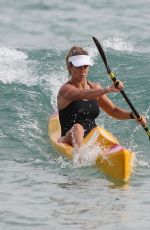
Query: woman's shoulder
(94, 85)
(65, 86)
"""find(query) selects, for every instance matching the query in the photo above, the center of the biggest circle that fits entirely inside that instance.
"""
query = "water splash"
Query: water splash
(143, 163)
(92, 53)
(117, 43)
(11, 54)
(55, 81)
(63, 163)
(2, 135)
(147, 112)
(87, 154)
(13, 65)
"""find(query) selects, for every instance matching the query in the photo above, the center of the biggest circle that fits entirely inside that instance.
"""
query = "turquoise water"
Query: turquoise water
(39, 188)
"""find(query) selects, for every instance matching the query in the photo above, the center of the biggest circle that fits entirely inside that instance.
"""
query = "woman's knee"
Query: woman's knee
(77, 127)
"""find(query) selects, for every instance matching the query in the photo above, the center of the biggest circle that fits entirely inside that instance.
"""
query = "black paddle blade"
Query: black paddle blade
(101, 51)
(147, 131)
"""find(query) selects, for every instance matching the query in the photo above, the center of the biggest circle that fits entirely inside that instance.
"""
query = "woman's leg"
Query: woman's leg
(74, 136)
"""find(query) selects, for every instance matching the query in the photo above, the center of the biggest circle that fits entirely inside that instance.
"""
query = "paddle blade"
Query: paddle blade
(147, 131)
(101, 51)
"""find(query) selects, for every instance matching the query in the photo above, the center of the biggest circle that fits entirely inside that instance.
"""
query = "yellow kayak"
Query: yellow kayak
(113, 160)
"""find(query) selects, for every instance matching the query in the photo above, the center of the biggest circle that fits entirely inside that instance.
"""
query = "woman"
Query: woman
(79, 100)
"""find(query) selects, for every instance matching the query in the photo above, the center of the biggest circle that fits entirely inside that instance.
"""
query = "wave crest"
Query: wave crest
(11, 54)
(118, 44)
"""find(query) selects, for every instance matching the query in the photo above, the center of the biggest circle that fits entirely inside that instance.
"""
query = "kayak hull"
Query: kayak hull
(114, 160)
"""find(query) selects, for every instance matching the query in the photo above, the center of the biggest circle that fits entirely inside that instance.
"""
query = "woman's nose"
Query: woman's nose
(82, 69)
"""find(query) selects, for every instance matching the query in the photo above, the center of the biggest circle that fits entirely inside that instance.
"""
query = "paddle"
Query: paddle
(113, 78)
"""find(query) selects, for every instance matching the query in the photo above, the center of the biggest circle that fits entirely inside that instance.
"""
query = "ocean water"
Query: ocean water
(39, 188)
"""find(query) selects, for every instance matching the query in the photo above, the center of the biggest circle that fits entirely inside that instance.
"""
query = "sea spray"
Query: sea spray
(117, 43)
(87, 154)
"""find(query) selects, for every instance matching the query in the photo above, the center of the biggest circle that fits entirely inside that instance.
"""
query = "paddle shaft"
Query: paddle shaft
(126, 98)
(113, 78)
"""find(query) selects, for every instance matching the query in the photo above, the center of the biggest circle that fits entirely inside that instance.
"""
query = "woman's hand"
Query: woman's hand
(116, 86)
(142, 120)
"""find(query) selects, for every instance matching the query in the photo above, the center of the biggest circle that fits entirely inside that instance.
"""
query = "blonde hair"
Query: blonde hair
(75, 50)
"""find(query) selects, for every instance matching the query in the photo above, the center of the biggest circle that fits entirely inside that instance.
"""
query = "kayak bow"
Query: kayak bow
(114, 160)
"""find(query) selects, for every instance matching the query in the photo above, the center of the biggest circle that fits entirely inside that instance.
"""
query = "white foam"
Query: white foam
(63, 162)
(87, 154)
(118, 43)
(140, 161)
(54, 83)
(92, 53)
(143, 163)
(2, 135)
(11, 54)
(14, 67)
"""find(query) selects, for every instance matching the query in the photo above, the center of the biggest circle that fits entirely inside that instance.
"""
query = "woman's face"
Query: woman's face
(79, 73)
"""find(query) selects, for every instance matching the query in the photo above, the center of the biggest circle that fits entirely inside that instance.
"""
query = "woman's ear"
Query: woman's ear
(69, 66)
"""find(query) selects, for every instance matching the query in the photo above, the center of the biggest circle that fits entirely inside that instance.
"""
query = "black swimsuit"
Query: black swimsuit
(83, 112)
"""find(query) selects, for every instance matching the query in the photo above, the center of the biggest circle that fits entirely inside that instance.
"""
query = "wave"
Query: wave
(117, 43)
(16, 67)
(11, 54)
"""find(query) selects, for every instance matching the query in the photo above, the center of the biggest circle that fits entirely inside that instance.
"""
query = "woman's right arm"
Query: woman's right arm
(69, 93)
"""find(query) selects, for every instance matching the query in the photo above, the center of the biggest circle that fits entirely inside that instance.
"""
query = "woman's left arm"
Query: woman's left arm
(116, 112)
(111, 109)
